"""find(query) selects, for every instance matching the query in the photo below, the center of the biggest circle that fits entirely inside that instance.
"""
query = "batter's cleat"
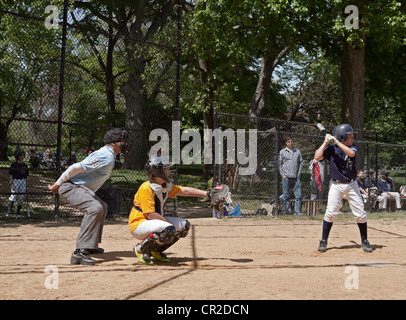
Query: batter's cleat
(81, 256)
(366, 246)
(322, 246)
(143, 257)
(160, 256)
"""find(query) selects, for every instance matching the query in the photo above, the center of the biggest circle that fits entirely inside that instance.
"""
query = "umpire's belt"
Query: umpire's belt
(343, 181)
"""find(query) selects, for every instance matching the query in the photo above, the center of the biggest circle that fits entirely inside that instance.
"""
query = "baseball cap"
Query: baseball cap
(115, 135)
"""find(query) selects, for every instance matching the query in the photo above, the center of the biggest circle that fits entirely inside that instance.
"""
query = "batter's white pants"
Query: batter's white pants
(335, 201)
(383, 199)
(155, 225)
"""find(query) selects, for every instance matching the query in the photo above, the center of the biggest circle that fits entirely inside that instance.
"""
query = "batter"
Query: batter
(340, 150)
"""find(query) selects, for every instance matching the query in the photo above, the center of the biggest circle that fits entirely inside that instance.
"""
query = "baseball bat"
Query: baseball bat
(323, 130)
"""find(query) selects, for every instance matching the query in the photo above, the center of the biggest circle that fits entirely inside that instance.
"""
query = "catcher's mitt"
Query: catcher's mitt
(219, 196)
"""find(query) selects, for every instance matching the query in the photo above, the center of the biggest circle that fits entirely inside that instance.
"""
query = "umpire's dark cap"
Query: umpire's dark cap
(115, 135)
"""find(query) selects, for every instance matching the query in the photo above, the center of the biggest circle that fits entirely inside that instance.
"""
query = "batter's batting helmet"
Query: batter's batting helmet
(341, 131)
(157, 167)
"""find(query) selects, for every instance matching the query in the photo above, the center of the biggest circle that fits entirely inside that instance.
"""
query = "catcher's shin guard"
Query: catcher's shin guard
(159, 242)
(156, 240)
(179, 234)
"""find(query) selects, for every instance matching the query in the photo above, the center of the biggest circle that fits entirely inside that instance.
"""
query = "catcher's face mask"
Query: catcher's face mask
(159, 167)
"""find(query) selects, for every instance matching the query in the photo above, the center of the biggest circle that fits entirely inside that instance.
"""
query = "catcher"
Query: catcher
(147, 221)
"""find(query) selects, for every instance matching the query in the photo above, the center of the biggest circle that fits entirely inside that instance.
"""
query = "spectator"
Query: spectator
(72, 158)
(368, 181)
(369, 186)
(48, 159)
(386, 187)
(18, 174)
(317, 179)
(290, 168)
(34, 159)
(360, 182)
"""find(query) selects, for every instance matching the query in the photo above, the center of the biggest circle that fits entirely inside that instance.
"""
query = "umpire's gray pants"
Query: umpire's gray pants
(94, 208)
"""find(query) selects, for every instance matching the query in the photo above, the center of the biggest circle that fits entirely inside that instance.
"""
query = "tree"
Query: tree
(27, 63)
(136, 24)
(377, 20)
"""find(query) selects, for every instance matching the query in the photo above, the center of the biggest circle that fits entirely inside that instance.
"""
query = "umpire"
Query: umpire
(78, 184)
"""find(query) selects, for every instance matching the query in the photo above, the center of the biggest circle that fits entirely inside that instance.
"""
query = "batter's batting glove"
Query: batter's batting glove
(327, 138)
(334, 140)
(218, 196)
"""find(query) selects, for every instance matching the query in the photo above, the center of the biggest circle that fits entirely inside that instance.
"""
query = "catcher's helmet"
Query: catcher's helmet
(341, 132)
(158, 167)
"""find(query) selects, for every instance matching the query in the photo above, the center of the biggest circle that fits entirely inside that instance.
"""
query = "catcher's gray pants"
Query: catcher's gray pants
(95, 209)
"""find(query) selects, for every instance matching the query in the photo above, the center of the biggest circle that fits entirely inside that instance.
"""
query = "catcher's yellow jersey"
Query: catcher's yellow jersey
(145, 201)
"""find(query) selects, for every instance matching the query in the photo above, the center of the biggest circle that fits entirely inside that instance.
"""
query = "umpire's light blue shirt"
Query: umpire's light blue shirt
(98, 166)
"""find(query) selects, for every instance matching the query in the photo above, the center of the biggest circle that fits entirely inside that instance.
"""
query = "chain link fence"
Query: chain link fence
(260, 191)
(68, 75)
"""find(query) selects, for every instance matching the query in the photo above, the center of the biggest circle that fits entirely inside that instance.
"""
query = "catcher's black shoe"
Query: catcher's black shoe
(322, 246)
(81, 256)
(143, 257)
(366, 246)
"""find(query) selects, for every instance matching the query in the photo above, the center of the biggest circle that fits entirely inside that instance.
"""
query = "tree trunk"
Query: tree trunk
(132, 91)
(353, 89)
(259, 98)
(353, 85)
(111, 100)
(3, 141)
(268, 64)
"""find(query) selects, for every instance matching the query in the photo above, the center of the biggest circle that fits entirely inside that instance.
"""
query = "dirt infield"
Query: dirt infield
(243, 259)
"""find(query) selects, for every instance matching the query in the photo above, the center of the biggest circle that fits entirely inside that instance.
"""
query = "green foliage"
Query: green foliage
(232, 35)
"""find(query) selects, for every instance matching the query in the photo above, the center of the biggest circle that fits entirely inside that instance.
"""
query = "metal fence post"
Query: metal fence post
(177, 99)
(213, 153)
(60, 99)
(276, 186)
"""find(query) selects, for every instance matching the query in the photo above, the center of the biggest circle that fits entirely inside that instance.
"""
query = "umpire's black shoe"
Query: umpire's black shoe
(322, 246)
(366, 246)
(95, 251)
(81, 256)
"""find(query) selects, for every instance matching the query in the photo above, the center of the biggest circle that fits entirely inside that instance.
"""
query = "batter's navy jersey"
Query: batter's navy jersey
(98, 166)
(342, 167)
